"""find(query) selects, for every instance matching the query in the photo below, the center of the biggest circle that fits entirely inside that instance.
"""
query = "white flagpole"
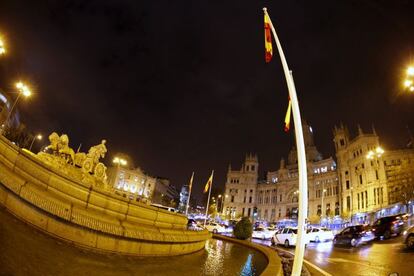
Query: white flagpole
(303, 179)
(189, 194)
(208, 199)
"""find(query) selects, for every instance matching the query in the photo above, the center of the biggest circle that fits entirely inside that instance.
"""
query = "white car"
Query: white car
(320, 234)
(288, 237)
(215, 227)
(263, 233)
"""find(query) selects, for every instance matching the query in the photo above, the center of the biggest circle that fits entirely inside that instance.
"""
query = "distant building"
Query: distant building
(276, 198)
(183, 198)
(5, 108)
(165, 193)
(131, 183)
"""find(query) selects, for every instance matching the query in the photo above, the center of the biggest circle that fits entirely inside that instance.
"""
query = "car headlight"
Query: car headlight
(405, 232)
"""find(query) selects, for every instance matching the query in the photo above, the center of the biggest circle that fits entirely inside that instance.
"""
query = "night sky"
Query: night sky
(183, 86)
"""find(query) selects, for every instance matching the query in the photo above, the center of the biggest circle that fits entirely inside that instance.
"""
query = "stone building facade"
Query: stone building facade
(131, 183)
(276, 197)
(362, 184)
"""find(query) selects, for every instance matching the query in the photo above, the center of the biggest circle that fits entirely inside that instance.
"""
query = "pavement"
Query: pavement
(377, 258)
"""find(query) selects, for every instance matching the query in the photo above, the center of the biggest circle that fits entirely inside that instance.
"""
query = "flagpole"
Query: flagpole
(208, 199)
(303, 179)
(189, 194)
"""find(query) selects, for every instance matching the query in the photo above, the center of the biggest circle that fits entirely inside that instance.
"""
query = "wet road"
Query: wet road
(376, 258)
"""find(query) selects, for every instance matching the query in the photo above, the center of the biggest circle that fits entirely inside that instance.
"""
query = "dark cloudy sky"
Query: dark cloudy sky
(183, 86)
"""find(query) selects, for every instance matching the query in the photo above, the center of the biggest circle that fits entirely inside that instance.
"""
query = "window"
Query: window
(251, 191)
(250, 200)
(346, 172)
(347, 184)
(280, 213)
(328, 210)
(232, 199)
(244, 200)
(376, 174)
(342, 142)
(360, 179)
(366, 199)
(319, 212)
(375, 196)
(248, 212)
(348, 203)
(362, 200)
(252, 167)
(358, 201)
(280, 198)
(337, 209)
(243, 212)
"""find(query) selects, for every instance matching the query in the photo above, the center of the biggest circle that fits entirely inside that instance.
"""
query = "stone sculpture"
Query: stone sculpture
(88, 162)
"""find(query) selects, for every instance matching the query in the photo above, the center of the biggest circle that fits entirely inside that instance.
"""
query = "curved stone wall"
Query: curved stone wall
(73, 211)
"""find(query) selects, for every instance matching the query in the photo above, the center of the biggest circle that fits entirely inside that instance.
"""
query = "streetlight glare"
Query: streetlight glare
(119, 161)
(2, 47)
(410, 71)
(39, 137)
(24, 89)
(408, 83)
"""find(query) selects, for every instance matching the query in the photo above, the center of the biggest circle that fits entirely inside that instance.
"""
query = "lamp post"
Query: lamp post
(220, 197)
(119, 162)
(22, 90)
(409, 81)
(322, 209)
(2, 47)
(38, 137)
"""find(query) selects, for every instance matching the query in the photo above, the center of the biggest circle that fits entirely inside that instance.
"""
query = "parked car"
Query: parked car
(409, 237)
(354, 236)
(287, 237)
(215, 227)
(193, 225)
(263, 233)
(388, 226)
(319, 234)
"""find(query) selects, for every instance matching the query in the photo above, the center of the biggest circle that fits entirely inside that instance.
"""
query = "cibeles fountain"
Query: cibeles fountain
(65, 194)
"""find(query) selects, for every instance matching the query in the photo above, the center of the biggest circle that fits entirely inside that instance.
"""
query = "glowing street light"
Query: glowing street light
(2, 47)
(409, 81)
(22, 90)
(378, 152)
(38, 137)
(119, 161)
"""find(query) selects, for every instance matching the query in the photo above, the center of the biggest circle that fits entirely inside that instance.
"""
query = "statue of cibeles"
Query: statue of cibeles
(97, 152)
(62, 152)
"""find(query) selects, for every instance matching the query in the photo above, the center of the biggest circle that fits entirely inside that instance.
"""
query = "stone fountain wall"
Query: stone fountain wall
(88, 216)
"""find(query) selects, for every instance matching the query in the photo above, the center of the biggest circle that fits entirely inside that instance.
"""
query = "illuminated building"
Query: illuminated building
(132, 183)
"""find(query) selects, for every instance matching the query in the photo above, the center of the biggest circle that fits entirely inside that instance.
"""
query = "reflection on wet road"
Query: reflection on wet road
(376, 258)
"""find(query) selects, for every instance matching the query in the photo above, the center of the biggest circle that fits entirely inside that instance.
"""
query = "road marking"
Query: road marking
(366, 264)
(323, 272)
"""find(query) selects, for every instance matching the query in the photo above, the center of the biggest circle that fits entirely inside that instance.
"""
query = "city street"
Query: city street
(377, 258)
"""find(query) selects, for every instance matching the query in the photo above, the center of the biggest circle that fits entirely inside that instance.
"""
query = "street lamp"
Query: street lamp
(2, 47)
(378, 152)
(221, 203)
(119, 161)
(38, 137)
(22, 90)
(322, 209)
(409, 81)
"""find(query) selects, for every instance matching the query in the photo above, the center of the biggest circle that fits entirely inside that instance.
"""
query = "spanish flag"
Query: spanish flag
(209, 183)
(287, 117)
(268, 39)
